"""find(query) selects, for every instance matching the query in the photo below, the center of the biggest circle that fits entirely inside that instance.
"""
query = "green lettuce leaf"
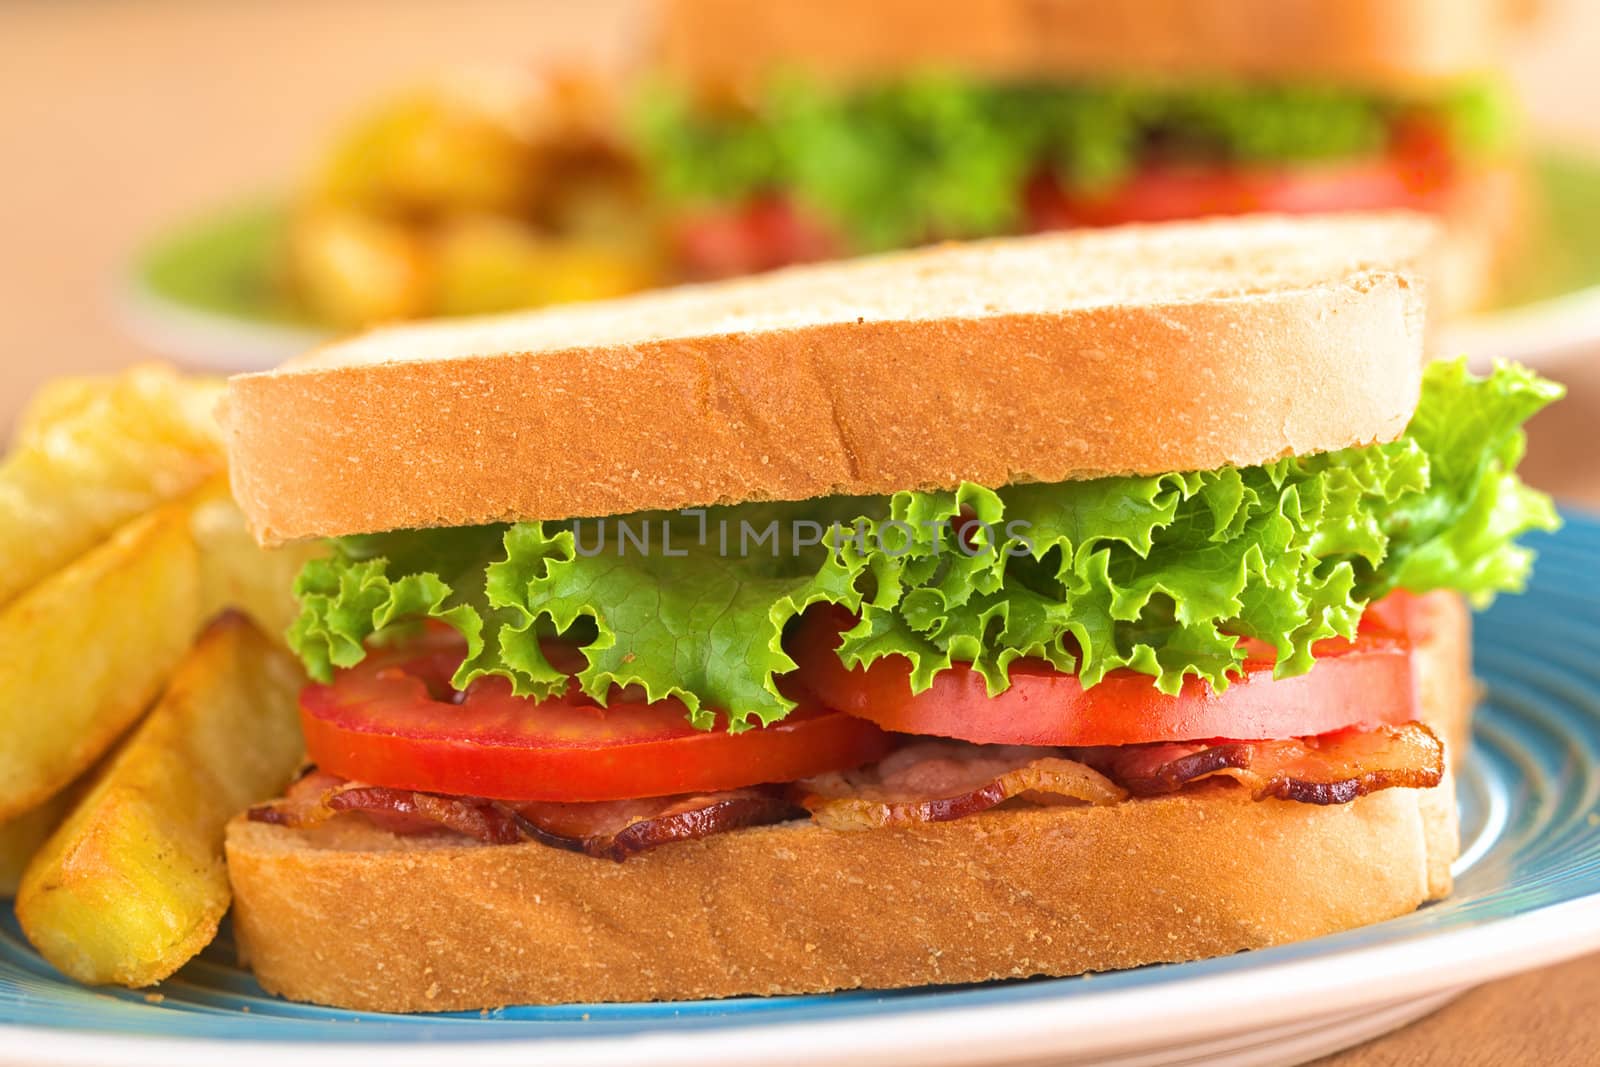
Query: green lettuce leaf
(1461, 534)
(376, 584)
(945, 156)
(1162, 575)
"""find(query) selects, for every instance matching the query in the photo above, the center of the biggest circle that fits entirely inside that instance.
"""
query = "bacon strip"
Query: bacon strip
(609, 830)
(936, 781)
(618, 829)
(302, 803)
(925, 781)
(1332, 769)
(318, 797)
(485, 820)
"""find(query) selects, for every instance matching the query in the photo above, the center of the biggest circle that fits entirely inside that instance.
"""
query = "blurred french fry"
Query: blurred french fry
(465, 142)
(21, 837)
(53, 403)
(486, 264)
(237, 573)
(353, 268)
(133, 885)
(131, 398)
(91, 455)
(88, 650)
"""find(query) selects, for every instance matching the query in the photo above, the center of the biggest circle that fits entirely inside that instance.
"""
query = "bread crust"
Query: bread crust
(1144, 350)
(355, 917)
(731, 46)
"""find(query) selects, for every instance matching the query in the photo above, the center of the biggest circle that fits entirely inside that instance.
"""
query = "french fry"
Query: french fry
(133, 884)
(21, 837)
(87, 650)
(91, 455)
(237, 573)
(182, 407)
(53, 403)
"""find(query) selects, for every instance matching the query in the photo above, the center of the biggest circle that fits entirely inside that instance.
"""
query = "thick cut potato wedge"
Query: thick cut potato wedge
(21, 837)
(89, 649)
(93, 454)
(133, 884)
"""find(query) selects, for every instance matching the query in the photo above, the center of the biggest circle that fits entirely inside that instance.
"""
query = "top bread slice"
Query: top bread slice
(1137, 350)
(723, 47)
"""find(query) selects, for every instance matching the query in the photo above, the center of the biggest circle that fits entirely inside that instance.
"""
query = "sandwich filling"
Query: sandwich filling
(611, 685)
(802, 172)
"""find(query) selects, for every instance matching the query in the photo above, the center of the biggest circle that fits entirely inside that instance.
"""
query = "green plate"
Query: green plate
(211, 292)
(225, 264)
(1549, 305)
(1563, 254)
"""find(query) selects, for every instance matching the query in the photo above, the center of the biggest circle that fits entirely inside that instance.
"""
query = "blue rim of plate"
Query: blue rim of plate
(1530, 870)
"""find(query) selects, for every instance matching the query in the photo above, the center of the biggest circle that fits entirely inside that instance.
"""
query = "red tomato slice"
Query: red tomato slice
(748, 238)
(1418, 172)
(395, 721)
(1365, 682)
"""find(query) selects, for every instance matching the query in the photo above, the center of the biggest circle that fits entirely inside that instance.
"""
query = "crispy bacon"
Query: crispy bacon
(1332, 769)
(609, 830)
(485, 820)
(621, 828)
(318, 797)
(302, 803)
(924, 781)
(936, 781)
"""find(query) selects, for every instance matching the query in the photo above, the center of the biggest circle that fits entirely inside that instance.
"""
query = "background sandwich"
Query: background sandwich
(749, 136)
(790, 131)
(1030, 607)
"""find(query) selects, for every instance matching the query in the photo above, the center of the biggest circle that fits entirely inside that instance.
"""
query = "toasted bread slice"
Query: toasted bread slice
(1136, 350)
(732, 46)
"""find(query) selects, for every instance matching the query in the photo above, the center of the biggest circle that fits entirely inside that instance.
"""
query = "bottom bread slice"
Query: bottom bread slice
(356, 917)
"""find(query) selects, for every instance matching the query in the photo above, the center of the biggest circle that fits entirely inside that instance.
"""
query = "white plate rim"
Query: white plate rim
(208, 339)
(1541, 335)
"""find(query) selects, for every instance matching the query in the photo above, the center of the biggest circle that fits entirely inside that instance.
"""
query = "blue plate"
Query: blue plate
(1528, 893)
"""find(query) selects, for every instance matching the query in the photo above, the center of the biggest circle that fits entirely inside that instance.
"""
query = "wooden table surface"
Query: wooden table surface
(117, 118)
